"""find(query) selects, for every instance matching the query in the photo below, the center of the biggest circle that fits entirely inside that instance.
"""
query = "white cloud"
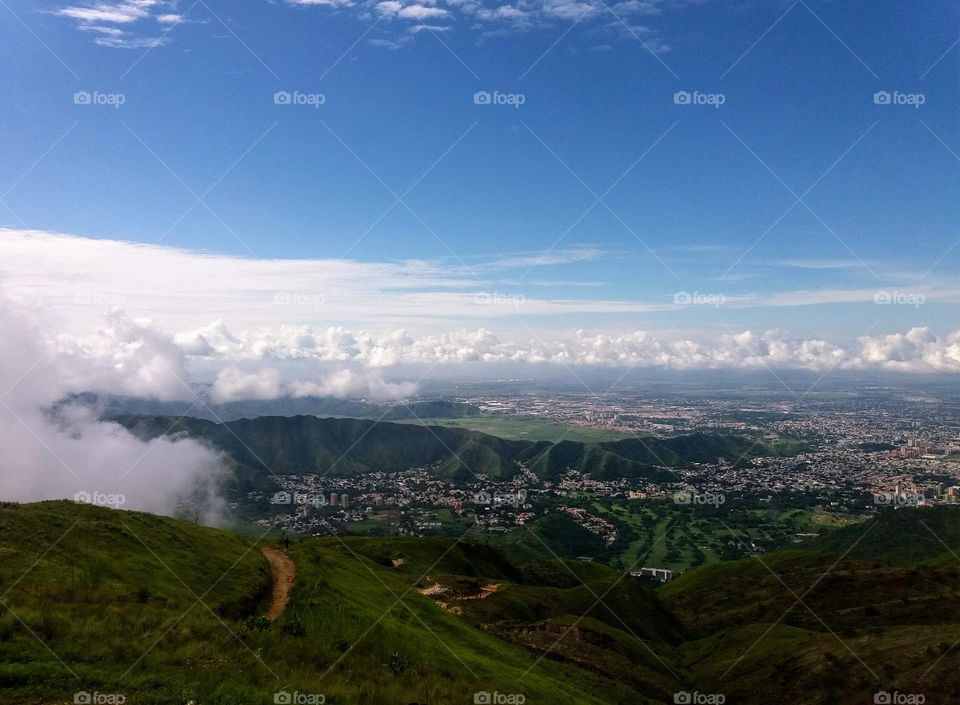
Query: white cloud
(422, 12)
(77, 276)
(120, 12)
(346, 383)
(393, 8)
(570, 9)
(127, 356)
(918, 350)
(56, 453)
(328, 3)
(389, 7)
(488, 18)
(233, 384)
(125, 17)
(218, 312)
(131, 42)
(417, 28)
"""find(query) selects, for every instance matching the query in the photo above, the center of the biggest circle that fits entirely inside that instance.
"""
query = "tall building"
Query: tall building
(344, 501)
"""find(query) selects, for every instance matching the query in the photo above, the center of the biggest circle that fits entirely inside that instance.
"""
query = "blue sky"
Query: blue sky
(695, 198)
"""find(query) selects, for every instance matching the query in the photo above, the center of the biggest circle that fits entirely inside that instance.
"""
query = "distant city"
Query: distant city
(854, 457)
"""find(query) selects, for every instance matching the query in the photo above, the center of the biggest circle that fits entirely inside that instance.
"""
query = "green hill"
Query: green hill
(899, 536)
(345, 447)
(161, 611)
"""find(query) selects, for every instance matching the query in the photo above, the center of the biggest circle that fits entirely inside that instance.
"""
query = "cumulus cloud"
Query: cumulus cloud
(234, 319)
(234, 383)
(917, 350)
(140, 355)
(53, 451)
(422, 12)
(126, 356)
(349, 383)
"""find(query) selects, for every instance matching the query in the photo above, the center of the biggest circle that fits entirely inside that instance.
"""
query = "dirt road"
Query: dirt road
(284, 572)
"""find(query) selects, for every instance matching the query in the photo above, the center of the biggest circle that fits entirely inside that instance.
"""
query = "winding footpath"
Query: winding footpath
(284, 572)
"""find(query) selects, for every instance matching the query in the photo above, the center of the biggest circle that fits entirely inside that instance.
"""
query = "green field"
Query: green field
(679, 538)
(528, 428)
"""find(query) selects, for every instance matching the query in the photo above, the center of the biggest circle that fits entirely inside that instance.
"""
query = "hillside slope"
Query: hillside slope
(344, 447)
(162, 611)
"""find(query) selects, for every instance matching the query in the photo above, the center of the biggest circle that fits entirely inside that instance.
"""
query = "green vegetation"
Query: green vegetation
(344, 447)
(902, 538)
(660, 533)
(107, 601)
(163, 611)
(527, 428)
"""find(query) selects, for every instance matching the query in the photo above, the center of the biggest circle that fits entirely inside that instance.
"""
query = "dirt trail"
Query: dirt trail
(284, 572)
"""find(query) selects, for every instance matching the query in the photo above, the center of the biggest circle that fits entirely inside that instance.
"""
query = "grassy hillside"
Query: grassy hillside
(166, 612)
(862, 610)
(902, 537)
(343, 447)
(162, 611)
(526, 428)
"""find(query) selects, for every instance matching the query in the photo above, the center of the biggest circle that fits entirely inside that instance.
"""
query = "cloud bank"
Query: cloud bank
(148, 321)
(66, 452)
(917, 350)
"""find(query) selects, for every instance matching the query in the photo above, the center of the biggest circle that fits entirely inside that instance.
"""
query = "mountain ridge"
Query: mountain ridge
(348, 446)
